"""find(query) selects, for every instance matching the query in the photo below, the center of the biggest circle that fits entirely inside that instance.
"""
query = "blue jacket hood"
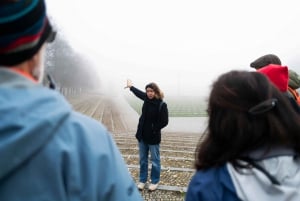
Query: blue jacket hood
(27, 113)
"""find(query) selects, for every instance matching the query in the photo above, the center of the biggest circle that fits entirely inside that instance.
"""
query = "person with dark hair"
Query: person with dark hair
(154, 117)
(251, 145)
(48, 151)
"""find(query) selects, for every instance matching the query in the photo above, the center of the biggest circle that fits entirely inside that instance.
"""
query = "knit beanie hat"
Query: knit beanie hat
(24, 28)
(277, 74)
(265, 60)
(294, 79)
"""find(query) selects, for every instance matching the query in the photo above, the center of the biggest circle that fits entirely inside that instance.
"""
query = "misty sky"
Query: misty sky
(181, 45)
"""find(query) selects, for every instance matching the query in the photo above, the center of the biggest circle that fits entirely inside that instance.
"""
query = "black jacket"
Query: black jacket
(151, 120)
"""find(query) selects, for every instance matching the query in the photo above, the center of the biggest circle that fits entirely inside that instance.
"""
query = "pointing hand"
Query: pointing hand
(129, 84)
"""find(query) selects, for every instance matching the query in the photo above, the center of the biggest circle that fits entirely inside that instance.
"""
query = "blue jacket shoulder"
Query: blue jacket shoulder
(214, 184)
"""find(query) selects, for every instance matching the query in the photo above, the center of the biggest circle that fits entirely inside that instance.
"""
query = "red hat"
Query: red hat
(277, 74)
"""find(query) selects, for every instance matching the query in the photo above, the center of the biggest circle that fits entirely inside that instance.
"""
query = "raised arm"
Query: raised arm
(138, 93)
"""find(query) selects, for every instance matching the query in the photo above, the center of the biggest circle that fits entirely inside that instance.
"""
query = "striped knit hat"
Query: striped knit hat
(24, 28)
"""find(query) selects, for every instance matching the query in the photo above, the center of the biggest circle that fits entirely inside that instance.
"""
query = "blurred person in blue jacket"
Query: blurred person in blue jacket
(251, 146)
(47, 150)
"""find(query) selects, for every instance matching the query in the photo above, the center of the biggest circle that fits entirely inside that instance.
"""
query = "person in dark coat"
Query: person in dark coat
(154, 117)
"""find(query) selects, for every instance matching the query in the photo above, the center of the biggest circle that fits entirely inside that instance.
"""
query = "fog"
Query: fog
(181, 45)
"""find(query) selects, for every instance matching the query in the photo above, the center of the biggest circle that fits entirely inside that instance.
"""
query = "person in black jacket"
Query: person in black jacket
(154, 117)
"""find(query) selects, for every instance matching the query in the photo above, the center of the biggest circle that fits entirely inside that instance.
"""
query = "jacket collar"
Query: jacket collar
(14, 78)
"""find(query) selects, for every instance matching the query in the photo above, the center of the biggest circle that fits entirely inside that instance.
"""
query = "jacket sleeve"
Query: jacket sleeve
(138, 93)
(164, 116)
(119, 183)
(212, 184)
(198, 191)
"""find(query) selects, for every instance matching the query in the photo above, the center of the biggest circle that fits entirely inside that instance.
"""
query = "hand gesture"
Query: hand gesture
(129, 84)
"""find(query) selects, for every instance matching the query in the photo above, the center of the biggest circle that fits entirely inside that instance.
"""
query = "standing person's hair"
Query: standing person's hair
(265, 60)
(158, 93)
(246, 112)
